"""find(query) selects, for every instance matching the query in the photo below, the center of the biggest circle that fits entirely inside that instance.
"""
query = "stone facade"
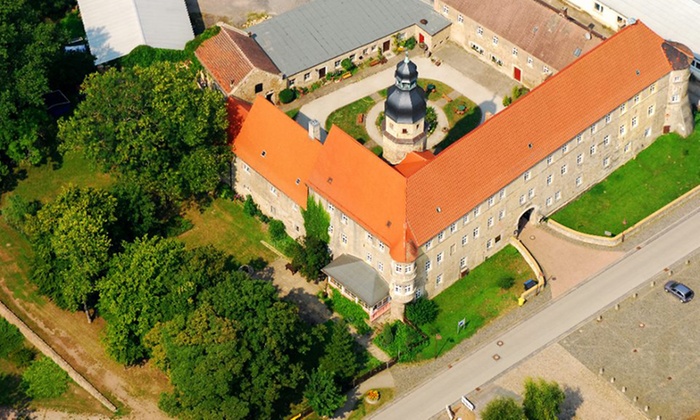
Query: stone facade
(257, 82)
(364, 53)
(272, 202)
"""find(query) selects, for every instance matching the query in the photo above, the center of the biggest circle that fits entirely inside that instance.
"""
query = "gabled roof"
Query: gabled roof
(359, 278)
(532, 26)
(676, 20)
(323, 29)
(497, 152)
(115, 27)
(409, 204)
(277, 148)
(364, 187)
(230, 56)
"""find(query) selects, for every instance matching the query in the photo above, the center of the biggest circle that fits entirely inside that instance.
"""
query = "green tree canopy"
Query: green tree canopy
(542, 399)
(316, 220)
(71, 241)
(239, 355)
(503, 408)
(340, 358)
(154, 127)
(44, 379)
(28, 46)
(151, 281)
(311, 257)
(323, 393)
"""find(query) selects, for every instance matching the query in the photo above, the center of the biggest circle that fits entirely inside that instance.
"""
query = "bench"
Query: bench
(360, 118)
(447, 98)
(347, 75)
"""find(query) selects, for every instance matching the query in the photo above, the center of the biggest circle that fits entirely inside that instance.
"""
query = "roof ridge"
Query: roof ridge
(228, 28)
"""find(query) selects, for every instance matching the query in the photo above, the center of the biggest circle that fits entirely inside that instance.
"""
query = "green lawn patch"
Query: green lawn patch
(662, 172)
(461, 123)
(292, 113)
(440, 89)
(363, 408)
(477, 298)
(346, 118)
(225, 226)
(44, 182)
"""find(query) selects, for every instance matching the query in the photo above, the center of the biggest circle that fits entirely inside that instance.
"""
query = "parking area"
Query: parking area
(646, 348)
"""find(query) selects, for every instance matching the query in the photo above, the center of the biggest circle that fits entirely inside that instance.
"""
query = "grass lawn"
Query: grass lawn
(44, 182)
(461, 124)
(292, 113)
(346, 118)
(364, 409)
(225, 226)
(476, 298)
(440, 89)
(661, 173)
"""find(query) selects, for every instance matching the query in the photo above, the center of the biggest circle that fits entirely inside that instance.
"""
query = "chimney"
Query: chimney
(314, 130)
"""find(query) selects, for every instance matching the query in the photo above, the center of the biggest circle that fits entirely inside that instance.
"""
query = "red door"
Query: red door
(516, 73)
(421, 38)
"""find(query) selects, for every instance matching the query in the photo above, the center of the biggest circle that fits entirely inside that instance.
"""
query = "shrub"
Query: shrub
(347, 64)
(507, 100)
(505, 283)
(10, 338)
(421, 311)
(386, 337)
(44, 379)
(287, 95)
(350, 311)
(17, 210)
(249, 207)
(407, 341)
(277, 230)
(410, 43)
(542, 399)
(22, 357)
(503, 408)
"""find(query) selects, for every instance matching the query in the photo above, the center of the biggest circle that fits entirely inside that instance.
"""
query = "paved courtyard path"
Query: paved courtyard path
(487, 100)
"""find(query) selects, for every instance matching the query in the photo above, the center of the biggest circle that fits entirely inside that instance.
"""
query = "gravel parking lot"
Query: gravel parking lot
(235, 12)
(647, 348)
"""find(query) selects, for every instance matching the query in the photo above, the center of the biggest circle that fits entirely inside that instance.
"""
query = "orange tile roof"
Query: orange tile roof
(237, 113)
(407, 205)
(532, 26)
(413, 162)
(289, 153)
(497, 152)
(364, 187)
(230, 56)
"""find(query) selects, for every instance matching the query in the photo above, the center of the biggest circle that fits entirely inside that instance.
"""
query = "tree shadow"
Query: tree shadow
(14, 403)
(572, 401)
(311, 310)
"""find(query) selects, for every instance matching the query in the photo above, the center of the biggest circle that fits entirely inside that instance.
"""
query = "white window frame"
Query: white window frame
(428, 265)
(475, 232)
(440, 258)
(465, 240)
(460, 18)
(489, 223)
(564, 169)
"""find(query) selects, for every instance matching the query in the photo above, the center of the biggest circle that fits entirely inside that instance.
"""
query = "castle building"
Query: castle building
(412, 229)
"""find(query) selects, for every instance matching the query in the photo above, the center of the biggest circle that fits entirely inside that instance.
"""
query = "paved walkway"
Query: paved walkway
(488, 100)
(565, 263)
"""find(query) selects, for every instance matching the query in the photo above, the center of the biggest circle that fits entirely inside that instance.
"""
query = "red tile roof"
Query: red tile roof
(532, 26)
(497, 152)
(230, 56)
(364, 187)
(277, 148)
(407, 205)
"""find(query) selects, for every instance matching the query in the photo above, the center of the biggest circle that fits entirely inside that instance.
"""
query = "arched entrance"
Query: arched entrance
(523, 221)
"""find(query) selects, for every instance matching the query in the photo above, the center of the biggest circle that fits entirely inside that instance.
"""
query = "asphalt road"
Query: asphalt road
(561, 316)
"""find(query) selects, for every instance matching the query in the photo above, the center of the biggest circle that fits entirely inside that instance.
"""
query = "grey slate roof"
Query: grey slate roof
(323, 29)
(359, 278)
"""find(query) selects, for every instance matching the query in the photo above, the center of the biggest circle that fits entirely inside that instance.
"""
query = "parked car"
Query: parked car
(679, 290)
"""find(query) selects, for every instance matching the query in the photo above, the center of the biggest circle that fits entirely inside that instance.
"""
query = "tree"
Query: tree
(542, 399)
(44, 379)
(323, 393)
(154, 127)
(152, 281)
(311, 257)
(28, 46)
(240, 354)
(340, 358)
(71, 240)
(503, 408)
(11, 339)
(422, 311)
(316, 220)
